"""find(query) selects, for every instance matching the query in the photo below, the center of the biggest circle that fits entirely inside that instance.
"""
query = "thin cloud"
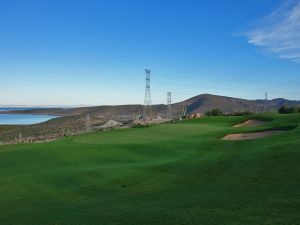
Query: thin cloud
(279, 35)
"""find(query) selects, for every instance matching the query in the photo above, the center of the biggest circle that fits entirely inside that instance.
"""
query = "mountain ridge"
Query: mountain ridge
(197, 104)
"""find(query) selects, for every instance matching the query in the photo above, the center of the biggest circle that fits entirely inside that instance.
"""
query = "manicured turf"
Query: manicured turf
(180, 173)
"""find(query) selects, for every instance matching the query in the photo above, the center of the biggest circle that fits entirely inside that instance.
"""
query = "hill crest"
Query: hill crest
(197, 104)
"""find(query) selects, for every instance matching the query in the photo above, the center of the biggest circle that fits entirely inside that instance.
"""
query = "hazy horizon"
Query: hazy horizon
(11, 107)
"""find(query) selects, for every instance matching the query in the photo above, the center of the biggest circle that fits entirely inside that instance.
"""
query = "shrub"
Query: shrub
(138, 125)
(214, 112)
(286, 110)
(294, 110)
(246, 113)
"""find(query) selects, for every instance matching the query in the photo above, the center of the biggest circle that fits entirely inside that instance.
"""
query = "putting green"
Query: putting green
(179, 173)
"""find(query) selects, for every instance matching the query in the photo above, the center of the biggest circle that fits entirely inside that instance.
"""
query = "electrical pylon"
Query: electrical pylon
(266, 100)
(87, 123)
(148, 114)
(169, 105)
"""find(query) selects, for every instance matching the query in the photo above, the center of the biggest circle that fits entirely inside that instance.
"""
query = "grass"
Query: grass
(180, 173)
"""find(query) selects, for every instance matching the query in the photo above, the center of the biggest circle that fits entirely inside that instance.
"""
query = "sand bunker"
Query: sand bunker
(250, 136)
(250, 123)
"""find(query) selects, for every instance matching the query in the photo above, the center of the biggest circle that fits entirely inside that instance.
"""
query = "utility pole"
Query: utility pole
(266, 100)
(88, 127)
(169, 105)
(148, 114)
(20, 138)
(184, 109)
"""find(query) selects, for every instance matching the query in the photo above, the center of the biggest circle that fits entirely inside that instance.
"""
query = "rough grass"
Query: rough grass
(179, 173)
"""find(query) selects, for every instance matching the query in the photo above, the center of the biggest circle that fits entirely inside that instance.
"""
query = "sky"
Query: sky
(94, 52)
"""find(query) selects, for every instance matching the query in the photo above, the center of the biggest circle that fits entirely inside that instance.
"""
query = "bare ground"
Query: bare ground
(250, 136)
(250, 123)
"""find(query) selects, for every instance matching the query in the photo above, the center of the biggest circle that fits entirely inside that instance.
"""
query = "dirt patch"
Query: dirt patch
(250, 136)
(110, 124)
(250, 123)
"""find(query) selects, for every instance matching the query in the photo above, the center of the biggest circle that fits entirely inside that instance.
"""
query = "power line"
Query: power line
(187, 76)
(222, 88)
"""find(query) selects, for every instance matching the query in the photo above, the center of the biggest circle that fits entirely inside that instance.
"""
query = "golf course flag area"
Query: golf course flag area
(180, 173)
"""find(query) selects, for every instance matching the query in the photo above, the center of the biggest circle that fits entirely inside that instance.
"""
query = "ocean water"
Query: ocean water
(8, 109)
(22, 119)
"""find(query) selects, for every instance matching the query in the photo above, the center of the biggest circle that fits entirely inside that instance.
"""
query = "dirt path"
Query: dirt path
(250, 123)
(250, 136)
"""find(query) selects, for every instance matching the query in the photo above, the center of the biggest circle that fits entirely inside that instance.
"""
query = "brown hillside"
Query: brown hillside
(197, 104)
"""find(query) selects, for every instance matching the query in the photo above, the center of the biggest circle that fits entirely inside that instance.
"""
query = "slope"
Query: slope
(179, 173)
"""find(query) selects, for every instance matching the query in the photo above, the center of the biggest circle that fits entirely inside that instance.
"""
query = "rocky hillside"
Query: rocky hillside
(197, 104)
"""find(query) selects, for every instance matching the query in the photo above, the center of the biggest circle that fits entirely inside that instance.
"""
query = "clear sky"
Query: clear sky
(93, 52)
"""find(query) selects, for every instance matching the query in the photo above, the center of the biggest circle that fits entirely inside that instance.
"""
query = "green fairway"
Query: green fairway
(179, 173)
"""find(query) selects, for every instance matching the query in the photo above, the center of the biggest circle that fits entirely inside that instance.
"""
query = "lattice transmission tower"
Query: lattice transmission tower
(266, 101)
(148, 114)
(87, 122)
(169, 105)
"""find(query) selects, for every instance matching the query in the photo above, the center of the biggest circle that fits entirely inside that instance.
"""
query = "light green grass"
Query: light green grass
(180, 173)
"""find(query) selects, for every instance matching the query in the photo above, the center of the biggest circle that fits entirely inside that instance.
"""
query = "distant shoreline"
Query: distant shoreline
(33, 111)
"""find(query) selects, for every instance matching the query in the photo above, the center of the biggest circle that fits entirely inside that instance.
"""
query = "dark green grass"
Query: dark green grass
(179, 173)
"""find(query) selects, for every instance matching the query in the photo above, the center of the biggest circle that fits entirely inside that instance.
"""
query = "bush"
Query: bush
(140, 125)
(294, 110)
(286, 110)
(246, 113)
(283, 109)
(214, 112)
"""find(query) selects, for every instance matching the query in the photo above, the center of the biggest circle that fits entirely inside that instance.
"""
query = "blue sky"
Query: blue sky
(71, 52)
